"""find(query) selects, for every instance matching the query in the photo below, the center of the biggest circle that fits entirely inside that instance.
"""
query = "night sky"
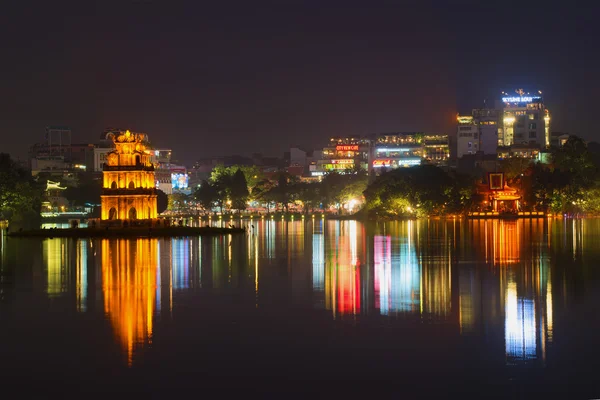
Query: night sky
(217, 78)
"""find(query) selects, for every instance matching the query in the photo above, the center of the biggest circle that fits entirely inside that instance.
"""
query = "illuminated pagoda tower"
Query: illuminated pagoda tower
(128, 190)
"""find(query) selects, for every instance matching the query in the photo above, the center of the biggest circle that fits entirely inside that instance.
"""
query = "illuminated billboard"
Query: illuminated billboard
(381, 163)
(336, 166)
(343, 161)
(351, 147)
(179, 180)
(521, 99)
(396, 162)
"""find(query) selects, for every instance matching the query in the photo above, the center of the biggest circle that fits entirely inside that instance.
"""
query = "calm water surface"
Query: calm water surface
(322, 308)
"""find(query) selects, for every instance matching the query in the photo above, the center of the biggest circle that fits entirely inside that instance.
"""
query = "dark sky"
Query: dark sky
(214, 78)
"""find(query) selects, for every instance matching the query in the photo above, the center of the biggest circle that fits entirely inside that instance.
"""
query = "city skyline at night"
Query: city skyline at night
(266, 76)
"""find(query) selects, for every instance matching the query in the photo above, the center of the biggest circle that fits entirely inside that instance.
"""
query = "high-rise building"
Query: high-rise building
(477, 132)
(525, 120)
(467, 136)
(343, 154)
(487, 120)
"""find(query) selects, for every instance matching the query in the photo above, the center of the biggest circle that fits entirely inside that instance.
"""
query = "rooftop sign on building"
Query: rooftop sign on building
(521, 99)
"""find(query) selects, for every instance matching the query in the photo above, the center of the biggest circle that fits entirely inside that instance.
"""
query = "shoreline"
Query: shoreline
(136, 232)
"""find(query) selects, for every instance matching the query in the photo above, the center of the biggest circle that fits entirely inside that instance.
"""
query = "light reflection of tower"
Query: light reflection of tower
(57, 264)
(129, 286)
(82, 280)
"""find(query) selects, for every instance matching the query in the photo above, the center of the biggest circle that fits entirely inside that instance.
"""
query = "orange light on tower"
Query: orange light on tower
(128, 190)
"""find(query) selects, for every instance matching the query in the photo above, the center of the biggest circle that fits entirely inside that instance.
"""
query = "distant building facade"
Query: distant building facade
(525, 120)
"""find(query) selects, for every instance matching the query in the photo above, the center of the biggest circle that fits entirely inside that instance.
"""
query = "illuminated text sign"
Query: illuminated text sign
(381, 163)
(343, 161)
(352, 147)
(520, 99)
(336, 166)
(391, 149)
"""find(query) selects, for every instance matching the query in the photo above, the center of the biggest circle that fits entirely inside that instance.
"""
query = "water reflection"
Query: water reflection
(129, 285)
(518, 287)
(343, 268)
(58, 264)
(506, 283)
(81, 275)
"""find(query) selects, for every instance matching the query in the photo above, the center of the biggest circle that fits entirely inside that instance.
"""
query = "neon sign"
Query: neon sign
(381, 163)
(336, 166)
(390, 149)
(344, 161)
(353, 147)
(520, 99)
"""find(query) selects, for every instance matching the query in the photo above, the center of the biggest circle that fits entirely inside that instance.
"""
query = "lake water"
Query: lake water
(316, 308)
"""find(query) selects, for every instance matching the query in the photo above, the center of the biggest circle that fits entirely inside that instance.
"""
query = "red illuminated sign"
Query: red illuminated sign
(382, 163)
(352, 147)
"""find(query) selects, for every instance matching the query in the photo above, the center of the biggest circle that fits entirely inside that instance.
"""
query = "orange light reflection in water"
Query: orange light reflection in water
(129, 271)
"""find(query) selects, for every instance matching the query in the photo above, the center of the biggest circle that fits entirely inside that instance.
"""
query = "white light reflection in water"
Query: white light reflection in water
(180, 258)
(397, 272)
(406, 274)
(382, 256)
(520, 326)
(318, 261)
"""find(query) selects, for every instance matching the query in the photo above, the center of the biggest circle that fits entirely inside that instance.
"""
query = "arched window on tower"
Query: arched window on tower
(113, 185)
(131, 185)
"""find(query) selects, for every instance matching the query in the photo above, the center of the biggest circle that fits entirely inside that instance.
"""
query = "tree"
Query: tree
(252, 173)
(238, 191)
(162, 201)
(177, 202)
(207, 195)
(353, 189)
(20, 195)
(514, 167)
(575, 173)
(332, 185)
(87, 191)
(416, 191)
(308, 194)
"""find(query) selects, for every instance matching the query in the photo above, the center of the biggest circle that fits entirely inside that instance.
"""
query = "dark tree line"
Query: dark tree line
(20, 195)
